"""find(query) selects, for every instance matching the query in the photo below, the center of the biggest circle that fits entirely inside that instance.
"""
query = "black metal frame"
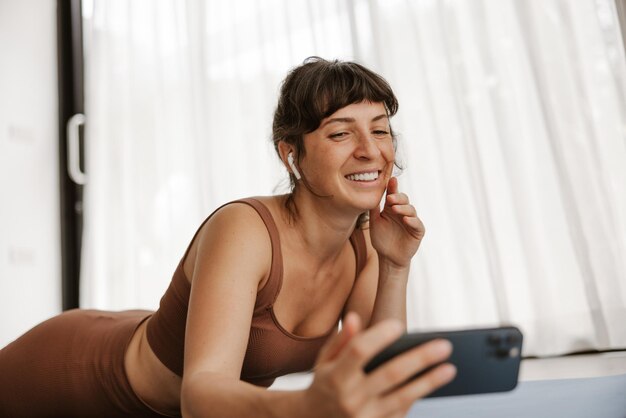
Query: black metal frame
(70, 79)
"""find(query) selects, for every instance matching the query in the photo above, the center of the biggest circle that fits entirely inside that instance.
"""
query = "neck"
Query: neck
(320, 227)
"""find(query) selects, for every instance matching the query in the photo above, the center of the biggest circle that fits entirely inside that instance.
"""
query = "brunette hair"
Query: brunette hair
(315, 90)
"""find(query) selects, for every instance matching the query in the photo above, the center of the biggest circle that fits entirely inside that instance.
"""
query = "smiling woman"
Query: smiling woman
(340, 102)
(352, 149)
(311, 261)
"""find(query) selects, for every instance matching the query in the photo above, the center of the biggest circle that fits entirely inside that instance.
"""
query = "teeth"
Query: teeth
(363, 176)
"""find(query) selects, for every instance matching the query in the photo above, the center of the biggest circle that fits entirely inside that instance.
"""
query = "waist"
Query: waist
(153, 383)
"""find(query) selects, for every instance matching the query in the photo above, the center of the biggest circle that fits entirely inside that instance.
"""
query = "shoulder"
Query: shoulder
(237, 224)
(236, 216)
(234, 232)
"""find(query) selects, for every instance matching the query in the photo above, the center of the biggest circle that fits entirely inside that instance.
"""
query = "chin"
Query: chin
(369, 202)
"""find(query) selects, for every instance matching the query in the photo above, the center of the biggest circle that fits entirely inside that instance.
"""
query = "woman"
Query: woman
(261, 289)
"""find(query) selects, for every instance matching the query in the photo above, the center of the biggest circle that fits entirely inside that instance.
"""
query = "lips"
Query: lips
(363, 176)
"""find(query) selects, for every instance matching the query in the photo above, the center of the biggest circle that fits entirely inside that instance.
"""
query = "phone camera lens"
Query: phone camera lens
(494, 339)
(511, 339)
(514, 352)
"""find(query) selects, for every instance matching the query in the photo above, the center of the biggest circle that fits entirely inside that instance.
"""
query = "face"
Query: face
(350, 156)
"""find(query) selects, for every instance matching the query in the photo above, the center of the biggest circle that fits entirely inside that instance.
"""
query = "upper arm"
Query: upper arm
(233, 256)
(363, 295)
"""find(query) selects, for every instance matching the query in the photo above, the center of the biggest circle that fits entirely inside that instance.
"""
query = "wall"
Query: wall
(30, 267)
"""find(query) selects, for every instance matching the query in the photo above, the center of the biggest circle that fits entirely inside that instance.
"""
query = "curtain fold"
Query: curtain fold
(513, 134)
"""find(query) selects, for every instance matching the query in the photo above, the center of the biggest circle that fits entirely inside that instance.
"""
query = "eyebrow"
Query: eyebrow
(350, 120)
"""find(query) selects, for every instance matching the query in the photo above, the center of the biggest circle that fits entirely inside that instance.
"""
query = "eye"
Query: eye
(380, 133)
(338, 135)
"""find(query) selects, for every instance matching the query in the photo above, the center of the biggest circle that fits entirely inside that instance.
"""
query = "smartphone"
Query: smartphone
(487, 359)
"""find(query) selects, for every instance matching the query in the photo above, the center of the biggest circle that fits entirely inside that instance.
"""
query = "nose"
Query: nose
(366, 147)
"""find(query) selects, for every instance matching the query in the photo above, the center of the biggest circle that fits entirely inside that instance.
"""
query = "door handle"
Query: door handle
(73, 149)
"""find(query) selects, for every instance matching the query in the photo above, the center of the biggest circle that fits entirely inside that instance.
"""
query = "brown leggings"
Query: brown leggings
(72, 365)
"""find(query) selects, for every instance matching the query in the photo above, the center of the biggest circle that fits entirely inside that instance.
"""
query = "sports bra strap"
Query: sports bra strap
(269, 292)
(276, 269)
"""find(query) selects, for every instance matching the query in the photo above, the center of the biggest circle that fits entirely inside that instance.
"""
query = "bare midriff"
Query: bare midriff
(153, 383)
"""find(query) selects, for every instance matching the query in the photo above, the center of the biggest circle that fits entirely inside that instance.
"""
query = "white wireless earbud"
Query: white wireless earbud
(293, 166)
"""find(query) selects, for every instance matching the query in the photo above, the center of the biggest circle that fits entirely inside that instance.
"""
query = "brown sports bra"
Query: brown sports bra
(272, 351)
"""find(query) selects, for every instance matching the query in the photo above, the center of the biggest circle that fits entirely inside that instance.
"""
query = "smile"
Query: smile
(371, 176)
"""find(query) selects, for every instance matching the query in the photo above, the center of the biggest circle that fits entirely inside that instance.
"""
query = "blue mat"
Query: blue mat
(598, 397)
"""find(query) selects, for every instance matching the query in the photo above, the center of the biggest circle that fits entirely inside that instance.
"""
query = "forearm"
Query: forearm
(390, 299)
(212, 395)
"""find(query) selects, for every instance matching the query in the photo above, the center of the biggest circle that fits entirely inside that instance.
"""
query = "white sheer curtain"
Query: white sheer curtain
(513, 134)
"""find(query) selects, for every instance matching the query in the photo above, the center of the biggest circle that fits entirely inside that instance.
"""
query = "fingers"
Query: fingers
(401, 368)
(405, 396)
(416, 226)
(392, 186)
(397, 199)
(342, 378)
(351, 326)
(404, 210)
(398, 202)
(367, 344)
(392, 197)
(342, 386)
(402, 397)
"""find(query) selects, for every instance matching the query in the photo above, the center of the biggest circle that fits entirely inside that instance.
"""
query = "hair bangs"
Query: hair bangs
(344, 83)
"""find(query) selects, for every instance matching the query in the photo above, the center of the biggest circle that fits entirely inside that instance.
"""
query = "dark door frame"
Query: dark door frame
(71, 102)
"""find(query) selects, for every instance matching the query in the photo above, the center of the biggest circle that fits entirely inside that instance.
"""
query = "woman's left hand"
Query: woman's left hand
(396, 231)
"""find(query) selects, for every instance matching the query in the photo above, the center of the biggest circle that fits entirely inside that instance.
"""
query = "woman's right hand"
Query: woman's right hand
(341, 388)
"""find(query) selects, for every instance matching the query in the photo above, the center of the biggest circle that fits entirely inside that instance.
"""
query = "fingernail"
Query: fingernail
(443, 347)
(448, 371)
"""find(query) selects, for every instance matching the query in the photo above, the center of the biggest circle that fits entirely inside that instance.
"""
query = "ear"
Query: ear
(287, 153)
(283, 150)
